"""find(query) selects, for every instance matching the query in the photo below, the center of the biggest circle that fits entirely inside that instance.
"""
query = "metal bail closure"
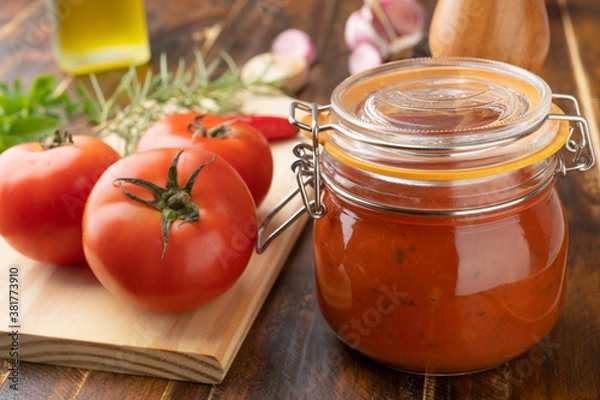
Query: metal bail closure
(581, 148)
(307, 169)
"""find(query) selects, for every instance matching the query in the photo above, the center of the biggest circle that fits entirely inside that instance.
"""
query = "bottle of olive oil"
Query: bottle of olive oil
(94, 35)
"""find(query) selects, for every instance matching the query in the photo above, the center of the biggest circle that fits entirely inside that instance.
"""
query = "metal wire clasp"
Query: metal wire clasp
(307, 169)
(581, 148)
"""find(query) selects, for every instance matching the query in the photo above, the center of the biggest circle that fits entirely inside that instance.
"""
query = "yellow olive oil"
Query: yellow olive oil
(93, 35)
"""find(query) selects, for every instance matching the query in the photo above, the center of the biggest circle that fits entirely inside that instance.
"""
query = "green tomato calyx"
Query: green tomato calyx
(218, 131)
(173, 202)
(56, 139)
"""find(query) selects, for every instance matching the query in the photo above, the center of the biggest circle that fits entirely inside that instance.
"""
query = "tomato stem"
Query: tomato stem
(220, 131)
(178, 200)
(173, 202)
(56, 139)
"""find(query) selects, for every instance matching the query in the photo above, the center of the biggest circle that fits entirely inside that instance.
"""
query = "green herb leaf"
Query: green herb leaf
(25, 115)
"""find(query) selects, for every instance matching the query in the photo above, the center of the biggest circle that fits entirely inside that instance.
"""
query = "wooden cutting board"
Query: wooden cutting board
(65, 317)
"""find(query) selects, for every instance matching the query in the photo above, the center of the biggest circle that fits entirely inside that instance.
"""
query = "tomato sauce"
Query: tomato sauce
(441, 242)
(441, 294)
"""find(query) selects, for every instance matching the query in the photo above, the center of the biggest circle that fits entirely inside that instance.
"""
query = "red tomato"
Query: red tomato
(241, 145)
(204, 247)
(43, 194)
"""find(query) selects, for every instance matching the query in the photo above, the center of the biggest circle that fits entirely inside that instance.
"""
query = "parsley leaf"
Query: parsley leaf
(26, 115)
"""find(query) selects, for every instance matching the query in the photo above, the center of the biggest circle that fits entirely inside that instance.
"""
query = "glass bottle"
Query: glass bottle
(94, 35)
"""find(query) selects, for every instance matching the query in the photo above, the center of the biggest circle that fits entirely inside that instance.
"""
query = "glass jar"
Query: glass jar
(95, 35)
(440, 240)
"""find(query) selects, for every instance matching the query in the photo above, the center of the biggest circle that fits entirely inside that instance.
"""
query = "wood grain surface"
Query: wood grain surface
(289, 352)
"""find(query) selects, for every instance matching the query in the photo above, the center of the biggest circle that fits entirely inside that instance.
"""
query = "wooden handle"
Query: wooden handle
(512, 31)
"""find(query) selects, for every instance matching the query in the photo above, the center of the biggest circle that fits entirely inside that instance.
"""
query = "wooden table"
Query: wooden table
(290, 352)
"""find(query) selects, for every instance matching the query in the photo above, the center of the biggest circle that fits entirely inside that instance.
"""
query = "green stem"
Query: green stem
(173, 202)
(218, 131)
(56, 139)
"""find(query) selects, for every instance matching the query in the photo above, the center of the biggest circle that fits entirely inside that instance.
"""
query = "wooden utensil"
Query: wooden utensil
(512, 31)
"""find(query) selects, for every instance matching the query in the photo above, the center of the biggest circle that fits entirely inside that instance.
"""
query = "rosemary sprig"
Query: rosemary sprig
(136, 103)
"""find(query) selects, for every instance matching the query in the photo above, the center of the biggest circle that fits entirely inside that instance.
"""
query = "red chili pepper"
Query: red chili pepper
(273, 128)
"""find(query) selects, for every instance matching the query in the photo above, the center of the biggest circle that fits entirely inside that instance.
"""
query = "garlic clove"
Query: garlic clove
(295, 43)
(273, 68)
(364, 56)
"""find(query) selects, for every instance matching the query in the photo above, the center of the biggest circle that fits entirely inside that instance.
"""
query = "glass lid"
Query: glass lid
(442, 103)
(443, 119)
